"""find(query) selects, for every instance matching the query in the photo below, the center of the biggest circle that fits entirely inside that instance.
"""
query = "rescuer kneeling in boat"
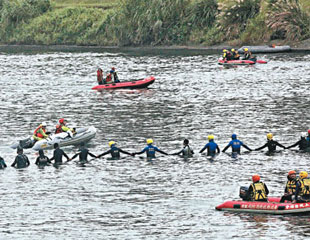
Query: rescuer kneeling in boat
(99, 76)
(114, 75)
(258, 191)
(62, 127)
(211, 147)
(227, 56)
(40, 132)
(248, 55)
(235, 55)
(290, 188)
(302, 193)
(150, 150)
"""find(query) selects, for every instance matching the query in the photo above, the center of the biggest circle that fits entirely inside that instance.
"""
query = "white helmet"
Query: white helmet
(303, 134)
(43, 124)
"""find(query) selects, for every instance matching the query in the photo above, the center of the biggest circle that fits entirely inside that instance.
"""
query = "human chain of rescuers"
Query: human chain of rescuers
(296, 190)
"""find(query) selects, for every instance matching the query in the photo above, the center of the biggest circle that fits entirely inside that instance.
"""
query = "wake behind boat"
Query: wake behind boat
(136, 84)
(63, 139)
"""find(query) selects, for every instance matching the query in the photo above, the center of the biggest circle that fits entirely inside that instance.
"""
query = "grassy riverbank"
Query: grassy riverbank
(154, 22)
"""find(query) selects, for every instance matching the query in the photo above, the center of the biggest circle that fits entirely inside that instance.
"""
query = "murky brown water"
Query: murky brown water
(131, 198)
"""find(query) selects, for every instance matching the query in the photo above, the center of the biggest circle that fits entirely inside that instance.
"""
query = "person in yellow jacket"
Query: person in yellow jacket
(61, 127)
(302, 193)
(258, 191)
(290, 188)
(40, 132)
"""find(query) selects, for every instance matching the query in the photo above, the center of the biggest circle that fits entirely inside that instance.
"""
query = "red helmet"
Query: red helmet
(61, 121)
(255, 178)
(291, 172)
(309, 131)
(113, 68)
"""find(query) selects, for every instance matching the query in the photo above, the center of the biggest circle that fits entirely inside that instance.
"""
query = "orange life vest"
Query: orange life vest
(37, 134)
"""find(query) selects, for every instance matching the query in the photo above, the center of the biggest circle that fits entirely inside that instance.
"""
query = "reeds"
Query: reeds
(287, 20)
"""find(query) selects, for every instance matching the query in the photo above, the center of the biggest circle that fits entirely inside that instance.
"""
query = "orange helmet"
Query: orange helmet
(291, 172)
(255, 178)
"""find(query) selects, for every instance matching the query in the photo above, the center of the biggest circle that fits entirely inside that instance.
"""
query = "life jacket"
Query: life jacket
(305, 186)
(109, 78)
(37, 134)
(99, 76)
(58, 129)
(291, 186)
(259, 192)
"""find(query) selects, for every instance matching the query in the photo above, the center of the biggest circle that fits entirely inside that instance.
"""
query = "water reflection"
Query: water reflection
(132, 198)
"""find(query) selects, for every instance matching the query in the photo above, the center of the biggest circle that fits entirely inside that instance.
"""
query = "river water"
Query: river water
(131, 198)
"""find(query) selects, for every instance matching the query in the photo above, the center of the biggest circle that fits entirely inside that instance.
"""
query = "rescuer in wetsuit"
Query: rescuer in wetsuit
(58, 154)
(227, 55)
(271, 144)
(83, 154)
(187, 151)
(302, 144)
(290, 187)
(42, 160)
(235, 55)
(236, 144)
(21, 160)
(258, 191)
(302, 193)
(2, 163)
(150, 150)
(114, 151)
(211, 147)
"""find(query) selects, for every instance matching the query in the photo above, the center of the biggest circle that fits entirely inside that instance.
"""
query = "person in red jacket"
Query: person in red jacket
(99, 76)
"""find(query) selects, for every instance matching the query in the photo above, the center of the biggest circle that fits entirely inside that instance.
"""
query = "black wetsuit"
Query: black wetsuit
(21, 161)
(186, 151)
(57, 156)
(302, 144)
(2, 163)
(272, 145)
(115, 152)
(83, 154)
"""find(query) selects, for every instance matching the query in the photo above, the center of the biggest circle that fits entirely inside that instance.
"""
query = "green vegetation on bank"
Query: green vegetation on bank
(153, 22)
(85, 3)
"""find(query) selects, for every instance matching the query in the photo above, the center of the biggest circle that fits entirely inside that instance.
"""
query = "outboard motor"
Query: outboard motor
(26, 143)
(243, 192)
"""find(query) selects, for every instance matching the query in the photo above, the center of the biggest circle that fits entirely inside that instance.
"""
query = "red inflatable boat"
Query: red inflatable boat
(240, 62)
(141, 83)
(273, 206)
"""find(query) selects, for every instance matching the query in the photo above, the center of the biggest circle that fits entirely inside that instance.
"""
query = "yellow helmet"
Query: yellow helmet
(149, 141)
(111, 143)
(232, 49)
(269, 136)
(210, 137)
(303, 174)
(224, 50)
(246, 49)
